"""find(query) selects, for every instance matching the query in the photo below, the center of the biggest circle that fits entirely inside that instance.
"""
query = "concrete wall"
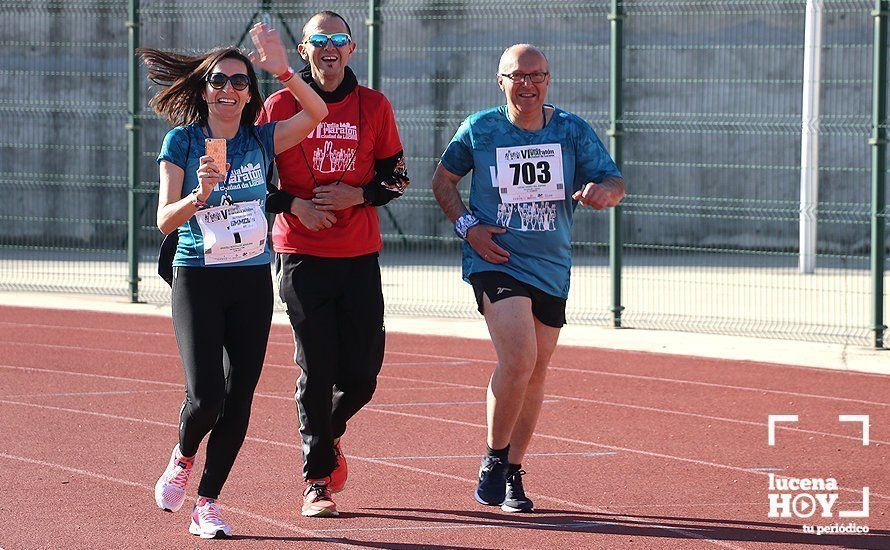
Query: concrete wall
(713, 101)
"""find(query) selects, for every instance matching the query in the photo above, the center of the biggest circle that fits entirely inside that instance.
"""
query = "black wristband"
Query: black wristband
(279, 202)
(369, 193)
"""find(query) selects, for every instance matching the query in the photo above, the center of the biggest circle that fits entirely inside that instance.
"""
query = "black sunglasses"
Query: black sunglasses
(218, 81)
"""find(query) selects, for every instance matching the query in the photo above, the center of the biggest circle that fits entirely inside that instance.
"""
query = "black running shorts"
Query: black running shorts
(497, 285)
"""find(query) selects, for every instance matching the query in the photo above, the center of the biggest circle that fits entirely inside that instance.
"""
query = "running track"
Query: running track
(633, 450)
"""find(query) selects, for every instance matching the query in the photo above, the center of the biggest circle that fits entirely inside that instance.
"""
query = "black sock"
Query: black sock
(513, 468)
(498, 453)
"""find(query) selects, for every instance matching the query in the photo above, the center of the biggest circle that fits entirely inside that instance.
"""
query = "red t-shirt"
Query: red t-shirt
(325, 154)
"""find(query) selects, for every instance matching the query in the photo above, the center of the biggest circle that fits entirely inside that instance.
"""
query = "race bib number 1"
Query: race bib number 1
(530, 173)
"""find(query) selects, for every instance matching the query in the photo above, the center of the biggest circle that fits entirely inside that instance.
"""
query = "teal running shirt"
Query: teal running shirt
(523, 181)
(249, 153)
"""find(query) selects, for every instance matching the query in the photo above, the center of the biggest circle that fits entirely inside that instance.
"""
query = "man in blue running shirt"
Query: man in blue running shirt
(532, 164)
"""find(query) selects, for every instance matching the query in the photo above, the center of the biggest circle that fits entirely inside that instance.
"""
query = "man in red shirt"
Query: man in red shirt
(328, 239)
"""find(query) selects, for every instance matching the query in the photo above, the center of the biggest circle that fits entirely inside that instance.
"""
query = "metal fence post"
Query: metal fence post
(616, 16)
(878, 142)
(373, 23)
(809, 137)
(133, 145)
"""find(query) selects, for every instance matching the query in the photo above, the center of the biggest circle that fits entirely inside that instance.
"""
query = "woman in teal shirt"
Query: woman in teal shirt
(222, 287)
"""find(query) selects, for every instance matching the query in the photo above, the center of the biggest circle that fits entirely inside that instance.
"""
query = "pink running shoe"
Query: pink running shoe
(317, 501)
(206, 522)
(170, 488)
(338, 476)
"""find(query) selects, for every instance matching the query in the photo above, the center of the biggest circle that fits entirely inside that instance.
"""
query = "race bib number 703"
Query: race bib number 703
(530, 173)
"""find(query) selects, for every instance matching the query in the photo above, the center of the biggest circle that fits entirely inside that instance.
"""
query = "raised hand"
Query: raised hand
(271, 55)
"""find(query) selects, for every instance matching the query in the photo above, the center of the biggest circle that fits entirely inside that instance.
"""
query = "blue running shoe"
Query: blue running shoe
(515, 499)
(492, 481)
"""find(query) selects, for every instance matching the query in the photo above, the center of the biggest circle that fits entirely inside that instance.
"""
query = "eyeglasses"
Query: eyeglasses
(537, 78)
(218, 81)
(320, 40)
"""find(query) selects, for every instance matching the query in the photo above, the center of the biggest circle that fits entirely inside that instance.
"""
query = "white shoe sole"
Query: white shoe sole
(216, 534)
(513, 510)
(320, 513)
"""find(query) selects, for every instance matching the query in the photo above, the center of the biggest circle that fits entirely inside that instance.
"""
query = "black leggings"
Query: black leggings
(335, 306)
(221, 316)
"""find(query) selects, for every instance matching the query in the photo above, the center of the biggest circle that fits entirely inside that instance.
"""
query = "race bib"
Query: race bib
(233, 232)
(530, 173)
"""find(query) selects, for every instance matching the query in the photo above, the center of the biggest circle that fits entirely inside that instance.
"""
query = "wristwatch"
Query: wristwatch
(463, 224)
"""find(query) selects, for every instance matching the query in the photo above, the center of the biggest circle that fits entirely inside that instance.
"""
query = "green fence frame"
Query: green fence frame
(878, 175)
(622, 126)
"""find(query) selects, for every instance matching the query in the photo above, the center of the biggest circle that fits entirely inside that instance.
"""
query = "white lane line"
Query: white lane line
(458, 422)
(662, 379)
(684, 505)
(172, 384)
(89, 348)
(91, 375)
(561, 502)
(710, 417)
(552, 368)
(88, 413)
(410, 388)
(761, 364)
(766, 469)
(176, 356)
(436, 474)
(478, 456)
(600, 445)
(85, 394)
(149, 489)
(370, 407)
(443, 403)
(427, 363)
(725, 386)
(643, 408)
(86, 329)
(580, 525)
(289, 342)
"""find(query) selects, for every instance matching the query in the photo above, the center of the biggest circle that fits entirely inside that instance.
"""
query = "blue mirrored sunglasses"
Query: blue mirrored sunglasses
(321, 40)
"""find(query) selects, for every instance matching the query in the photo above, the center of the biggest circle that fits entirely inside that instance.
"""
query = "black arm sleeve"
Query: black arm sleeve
(389, 182)
(277, 200)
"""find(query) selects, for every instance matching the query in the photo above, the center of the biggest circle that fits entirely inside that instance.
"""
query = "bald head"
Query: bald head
(524, 77)
(328, 62)
(326, 20)
(522, 54)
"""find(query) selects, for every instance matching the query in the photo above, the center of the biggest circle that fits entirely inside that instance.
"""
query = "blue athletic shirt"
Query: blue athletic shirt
(246, 181)
(539, 234)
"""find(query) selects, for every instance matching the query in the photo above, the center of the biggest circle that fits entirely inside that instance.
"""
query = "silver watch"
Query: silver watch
(463, 224)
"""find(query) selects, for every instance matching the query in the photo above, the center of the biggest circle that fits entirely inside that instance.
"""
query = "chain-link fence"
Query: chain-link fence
(707, 114)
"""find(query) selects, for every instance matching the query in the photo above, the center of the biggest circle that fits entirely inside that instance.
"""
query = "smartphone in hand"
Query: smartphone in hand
(216, 148)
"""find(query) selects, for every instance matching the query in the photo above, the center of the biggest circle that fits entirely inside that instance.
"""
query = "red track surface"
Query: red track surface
(633, 450)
